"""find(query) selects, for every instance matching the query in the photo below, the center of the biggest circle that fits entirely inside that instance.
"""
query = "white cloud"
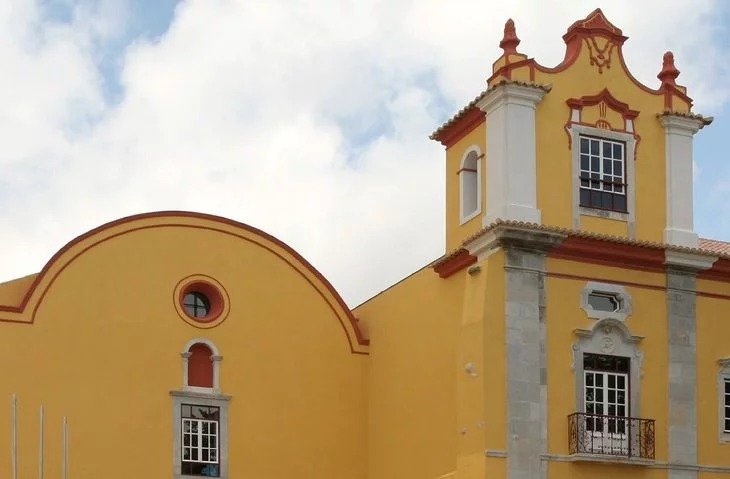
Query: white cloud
(306, 119)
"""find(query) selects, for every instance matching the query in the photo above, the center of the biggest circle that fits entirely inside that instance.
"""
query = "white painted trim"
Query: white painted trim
(480, 159)
(64, 448)
(678, 136)
(41, 420)
(575, 132)
(511, 189)
(609, 336)
(205, 341)
(690, 261)
(14, 437)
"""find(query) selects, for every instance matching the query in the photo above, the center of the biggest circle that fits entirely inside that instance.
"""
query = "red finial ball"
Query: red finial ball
(510, 41)
(669, 72)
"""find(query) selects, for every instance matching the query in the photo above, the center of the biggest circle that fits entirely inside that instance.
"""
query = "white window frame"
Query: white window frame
(608, 336)
(464, 216)
(722, 377)
(199, 434)
(615, 439)
(576, 131)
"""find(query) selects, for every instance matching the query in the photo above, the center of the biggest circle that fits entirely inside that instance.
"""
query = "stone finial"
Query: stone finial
(509, 41)
(669, 72)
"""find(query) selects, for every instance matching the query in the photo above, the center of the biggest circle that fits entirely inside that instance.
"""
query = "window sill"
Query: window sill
(599, 213)
(185, 476)
(609, 459)
(187, 393)
(469, 217)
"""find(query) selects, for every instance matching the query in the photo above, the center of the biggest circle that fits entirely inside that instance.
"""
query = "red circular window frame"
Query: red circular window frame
(215, 298)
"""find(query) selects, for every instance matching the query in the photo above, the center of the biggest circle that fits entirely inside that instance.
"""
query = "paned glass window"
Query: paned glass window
(200, 440)
(727, 405)
(469, 177)
(602, 174)
(196, 304)
(606, 392)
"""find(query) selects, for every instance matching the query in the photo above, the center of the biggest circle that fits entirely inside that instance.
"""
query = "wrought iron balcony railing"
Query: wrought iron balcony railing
(611, 435)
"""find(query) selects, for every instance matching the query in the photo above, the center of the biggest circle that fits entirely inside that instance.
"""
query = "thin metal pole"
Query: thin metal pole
(64, 468)
(14, 436)
(40, 443)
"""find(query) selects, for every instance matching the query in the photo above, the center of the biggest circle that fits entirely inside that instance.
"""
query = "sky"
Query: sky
(307, 119)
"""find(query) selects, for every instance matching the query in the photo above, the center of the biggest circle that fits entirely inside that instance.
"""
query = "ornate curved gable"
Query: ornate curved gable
(26, 311)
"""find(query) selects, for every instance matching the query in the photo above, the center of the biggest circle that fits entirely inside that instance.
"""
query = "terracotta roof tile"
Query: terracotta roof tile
(706, 247)
(473, 104)
(715, 246)
(705, 120)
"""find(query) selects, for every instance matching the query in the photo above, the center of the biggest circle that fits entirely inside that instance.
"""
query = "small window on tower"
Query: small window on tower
(469, 183)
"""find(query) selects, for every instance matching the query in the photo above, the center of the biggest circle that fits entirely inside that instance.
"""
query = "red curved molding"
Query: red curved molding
(579, 35)
(603, 96)
(360, 338)
(595, 23)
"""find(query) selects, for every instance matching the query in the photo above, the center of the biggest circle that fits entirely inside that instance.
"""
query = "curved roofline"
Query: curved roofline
(358, 343)
(593, 25)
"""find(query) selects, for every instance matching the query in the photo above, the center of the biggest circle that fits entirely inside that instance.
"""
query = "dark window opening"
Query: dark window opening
(604, 302)
(604, 362)
(603, 174)
(196, 304)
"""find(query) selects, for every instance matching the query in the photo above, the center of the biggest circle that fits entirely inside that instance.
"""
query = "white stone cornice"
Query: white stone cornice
(681, 124)
(524, 238)
(688, 261)
(513, 93)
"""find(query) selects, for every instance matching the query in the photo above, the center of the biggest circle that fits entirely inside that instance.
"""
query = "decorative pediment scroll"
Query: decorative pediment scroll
(602, 111)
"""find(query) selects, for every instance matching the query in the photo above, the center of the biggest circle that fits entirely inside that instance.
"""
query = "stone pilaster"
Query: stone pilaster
(681, 324)
(511, 151)
(682, 271)
(679, 131)
(524, 316)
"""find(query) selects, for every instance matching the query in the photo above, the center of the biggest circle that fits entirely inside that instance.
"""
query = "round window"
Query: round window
(201, 301)
(196, 304)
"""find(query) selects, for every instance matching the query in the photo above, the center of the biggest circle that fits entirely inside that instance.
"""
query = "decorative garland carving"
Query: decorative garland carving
(600, 57)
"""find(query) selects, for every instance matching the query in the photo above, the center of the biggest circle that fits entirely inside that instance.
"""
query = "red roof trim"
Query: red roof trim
(460, 127)
(360, 339)
(455, 263)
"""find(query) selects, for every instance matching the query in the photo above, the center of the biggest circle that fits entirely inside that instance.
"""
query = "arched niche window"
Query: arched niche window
(201, 365)
(470, 201)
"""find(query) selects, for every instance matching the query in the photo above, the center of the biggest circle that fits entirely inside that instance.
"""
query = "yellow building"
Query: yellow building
(575, 327)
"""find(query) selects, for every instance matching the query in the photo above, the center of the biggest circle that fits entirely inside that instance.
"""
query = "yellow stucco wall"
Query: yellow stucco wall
(566, 280)
(104, 350)
(412, 386)
(12, 292)
(713, 332)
